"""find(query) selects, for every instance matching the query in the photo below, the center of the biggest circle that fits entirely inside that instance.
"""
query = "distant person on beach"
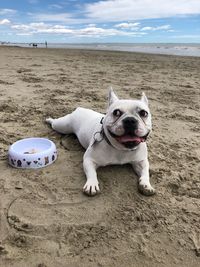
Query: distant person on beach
(46, 44)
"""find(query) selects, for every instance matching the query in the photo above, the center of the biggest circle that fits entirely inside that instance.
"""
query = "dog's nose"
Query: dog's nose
(130, 125)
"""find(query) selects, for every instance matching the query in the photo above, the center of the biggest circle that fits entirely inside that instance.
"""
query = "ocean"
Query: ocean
(157, 48)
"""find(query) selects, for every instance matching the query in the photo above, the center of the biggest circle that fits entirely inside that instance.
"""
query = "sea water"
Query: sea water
(152, 48)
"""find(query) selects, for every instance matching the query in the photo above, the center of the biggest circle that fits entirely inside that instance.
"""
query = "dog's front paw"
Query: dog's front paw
(91, 188)
(146, 189)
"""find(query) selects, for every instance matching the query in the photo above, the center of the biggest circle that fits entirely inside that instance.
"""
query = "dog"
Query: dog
(119, 137)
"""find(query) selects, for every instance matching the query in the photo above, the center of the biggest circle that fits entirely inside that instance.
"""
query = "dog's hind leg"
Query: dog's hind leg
(61, 125)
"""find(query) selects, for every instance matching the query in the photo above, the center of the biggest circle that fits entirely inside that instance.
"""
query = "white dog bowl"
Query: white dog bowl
(32, 153)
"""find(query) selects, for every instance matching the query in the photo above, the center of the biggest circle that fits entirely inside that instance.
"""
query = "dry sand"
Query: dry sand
(46, 221)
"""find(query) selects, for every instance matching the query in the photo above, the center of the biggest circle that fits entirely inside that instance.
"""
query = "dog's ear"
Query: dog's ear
(144, 99)
(112, 97)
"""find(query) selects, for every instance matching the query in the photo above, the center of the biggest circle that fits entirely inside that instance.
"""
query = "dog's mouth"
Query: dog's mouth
(129, 141)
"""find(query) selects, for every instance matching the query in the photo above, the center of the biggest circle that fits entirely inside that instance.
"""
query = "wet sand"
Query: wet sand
(46, 220)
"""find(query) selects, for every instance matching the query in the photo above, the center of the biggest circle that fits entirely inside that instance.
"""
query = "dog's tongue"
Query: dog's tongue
(128, 138)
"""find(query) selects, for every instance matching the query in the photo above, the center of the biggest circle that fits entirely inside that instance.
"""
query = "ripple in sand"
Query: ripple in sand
(30, 214)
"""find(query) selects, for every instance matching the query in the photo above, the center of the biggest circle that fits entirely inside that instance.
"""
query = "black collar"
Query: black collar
(105, 137)
(102, 135)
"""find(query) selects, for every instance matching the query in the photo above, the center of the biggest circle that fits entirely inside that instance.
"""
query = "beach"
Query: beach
(45, 219)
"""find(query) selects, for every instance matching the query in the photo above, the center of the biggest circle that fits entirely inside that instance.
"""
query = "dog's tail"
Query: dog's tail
(49, 120)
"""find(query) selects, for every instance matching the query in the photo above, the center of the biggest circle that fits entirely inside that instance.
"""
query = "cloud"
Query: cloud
(20, 27)
(91, 25)
(24, 34)
(55, 6)
(31, 27)
(131, 26)
(147, 28)
(88, 31)
(6, 11)
(68, 18)
(101, 32)
(64, 17)
(56, 30)
(120, 10)
(4, 22)
(157, 28)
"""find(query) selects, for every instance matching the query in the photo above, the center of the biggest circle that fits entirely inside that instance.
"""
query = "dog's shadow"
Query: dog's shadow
(70, 142)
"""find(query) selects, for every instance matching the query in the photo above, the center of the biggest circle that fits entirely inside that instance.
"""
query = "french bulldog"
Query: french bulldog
(119, 137)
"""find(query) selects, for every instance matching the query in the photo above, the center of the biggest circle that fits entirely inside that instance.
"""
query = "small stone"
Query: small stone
(27, 226)
(179, 199)
(2, 250)
(18, 185)
(171, 219)
(41, 265)
(197, 251)
(182, 242)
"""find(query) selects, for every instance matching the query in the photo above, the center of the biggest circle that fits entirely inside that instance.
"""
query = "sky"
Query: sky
(100, 21)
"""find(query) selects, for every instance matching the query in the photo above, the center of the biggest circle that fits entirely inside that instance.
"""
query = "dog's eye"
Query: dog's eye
(117, 113)
(143, 113)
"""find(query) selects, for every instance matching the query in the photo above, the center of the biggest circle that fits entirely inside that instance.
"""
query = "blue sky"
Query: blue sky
(87, 21)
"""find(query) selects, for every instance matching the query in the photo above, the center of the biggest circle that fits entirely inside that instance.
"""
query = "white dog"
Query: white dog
(119, 137)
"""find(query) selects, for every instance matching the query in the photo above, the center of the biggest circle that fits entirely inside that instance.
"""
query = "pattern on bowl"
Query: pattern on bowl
(32, 153)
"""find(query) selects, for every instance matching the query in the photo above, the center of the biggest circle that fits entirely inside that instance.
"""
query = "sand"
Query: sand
(46, 220)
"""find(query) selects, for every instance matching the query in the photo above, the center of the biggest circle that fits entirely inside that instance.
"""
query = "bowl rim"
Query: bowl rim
(46, 151)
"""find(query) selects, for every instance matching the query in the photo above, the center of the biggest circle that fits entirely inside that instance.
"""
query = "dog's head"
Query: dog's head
(127, 122)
